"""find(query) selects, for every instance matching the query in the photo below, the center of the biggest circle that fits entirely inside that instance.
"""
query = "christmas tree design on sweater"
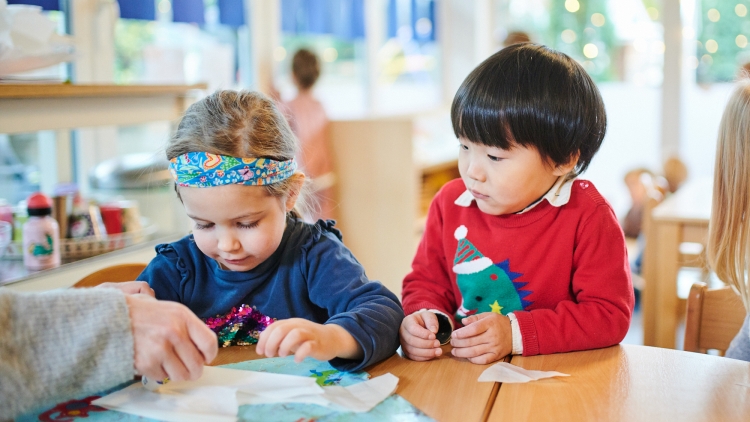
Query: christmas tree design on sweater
(484, 285)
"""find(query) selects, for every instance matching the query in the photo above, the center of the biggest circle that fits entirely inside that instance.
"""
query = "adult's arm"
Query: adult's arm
(61, 344)
(67, 343)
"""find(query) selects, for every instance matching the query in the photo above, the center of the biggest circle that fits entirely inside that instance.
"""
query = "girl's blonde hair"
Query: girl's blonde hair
(241, 124)
(729, 233)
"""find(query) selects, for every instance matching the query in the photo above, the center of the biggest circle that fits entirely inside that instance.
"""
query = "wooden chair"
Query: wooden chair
(714, 317)
(115, 273)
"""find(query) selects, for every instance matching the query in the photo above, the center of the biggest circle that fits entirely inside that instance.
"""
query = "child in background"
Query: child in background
(729, 234)
(251, 268)
(309, 122)
(520, 254)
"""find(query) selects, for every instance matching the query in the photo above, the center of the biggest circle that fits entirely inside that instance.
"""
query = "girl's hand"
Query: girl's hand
(305, 338)
(485, 338)
(130, 287)
(417, 333)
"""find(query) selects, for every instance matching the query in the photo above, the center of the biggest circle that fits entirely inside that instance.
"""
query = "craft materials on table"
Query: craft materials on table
(338, 389)
(219, 393)
(506, 373)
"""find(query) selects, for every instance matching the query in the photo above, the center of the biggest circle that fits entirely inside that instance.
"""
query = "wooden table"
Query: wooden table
(629, 383)
(682, 217)
(446, 389)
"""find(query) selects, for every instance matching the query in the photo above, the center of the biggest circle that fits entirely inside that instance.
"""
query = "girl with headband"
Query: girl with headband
(252, 269)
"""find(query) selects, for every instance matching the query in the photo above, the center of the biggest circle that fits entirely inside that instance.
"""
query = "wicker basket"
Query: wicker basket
(85, 247)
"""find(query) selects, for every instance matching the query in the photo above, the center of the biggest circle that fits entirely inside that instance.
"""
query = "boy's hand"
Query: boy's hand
(417, 335)
(130, 287)
(305, 338)
(485, 338)
(169, 340)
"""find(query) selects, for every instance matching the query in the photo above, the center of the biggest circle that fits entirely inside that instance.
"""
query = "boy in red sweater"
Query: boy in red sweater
(520, 254)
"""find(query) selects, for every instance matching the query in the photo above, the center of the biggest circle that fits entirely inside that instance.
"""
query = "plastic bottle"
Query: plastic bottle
(41, 235)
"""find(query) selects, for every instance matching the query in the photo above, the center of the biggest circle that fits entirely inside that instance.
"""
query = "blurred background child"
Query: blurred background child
(309, 122)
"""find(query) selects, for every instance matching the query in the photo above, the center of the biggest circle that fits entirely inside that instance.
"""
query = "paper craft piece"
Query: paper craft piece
(507, 373)
(218, 394)
(197, 405)
(358, 398)
(363, 396)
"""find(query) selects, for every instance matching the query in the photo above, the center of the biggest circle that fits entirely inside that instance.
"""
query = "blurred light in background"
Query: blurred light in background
(164, 7)
(590, 51)
(741, 41)
(569, 36)
(723, 30)
(713, 15)
(572, 6)
(597, 19)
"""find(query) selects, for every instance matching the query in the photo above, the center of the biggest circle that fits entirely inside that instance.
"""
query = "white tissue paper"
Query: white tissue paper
(507, 373)
(28, 40)
(217, 395)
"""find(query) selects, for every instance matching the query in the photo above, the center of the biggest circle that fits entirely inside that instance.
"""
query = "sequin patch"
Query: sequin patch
(240, 327)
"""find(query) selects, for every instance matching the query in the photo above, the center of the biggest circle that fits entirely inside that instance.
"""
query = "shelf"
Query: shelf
(15, 276)
(61, 90)
(34, 107)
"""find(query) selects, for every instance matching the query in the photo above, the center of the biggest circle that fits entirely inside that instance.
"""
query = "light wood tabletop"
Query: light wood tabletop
(446, 389)
(629, 383)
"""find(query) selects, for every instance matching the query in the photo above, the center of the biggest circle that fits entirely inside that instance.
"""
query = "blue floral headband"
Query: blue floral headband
(204, 170)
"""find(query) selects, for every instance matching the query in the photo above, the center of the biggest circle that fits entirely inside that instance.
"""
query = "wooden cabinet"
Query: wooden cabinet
(384, 192)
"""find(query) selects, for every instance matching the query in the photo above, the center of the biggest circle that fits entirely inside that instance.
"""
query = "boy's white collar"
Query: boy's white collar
(557, 196)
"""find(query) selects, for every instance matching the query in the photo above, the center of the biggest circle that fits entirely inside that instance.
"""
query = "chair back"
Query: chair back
(115, 273)
(714, 317)
(653, 198)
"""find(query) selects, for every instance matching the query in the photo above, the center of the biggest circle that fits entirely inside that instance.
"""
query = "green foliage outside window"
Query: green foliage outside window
(131, 36)
(722, 45)
(583, 30)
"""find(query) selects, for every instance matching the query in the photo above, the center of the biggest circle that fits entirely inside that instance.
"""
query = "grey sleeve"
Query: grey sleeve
(61, 344)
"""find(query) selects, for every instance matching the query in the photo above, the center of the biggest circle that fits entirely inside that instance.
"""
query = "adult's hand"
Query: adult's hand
(169, 340)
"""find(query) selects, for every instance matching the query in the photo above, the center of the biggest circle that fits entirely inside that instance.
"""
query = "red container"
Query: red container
(112, 216)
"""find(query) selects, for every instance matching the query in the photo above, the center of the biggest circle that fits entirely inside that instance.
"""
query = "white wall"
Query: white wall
(633, 133)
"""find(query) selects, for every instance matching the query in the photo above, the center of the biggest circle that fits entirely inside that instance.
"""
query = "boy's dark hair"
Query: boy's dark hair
(305, 68)
(533, 96)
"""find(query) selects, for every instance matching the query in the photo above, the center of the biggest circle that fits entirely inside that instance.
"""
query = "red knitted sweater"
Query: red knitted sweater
(563, 271)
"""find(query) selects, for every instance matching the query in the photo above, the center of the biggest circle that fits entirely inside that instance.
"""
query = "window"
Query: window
(722, 42)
